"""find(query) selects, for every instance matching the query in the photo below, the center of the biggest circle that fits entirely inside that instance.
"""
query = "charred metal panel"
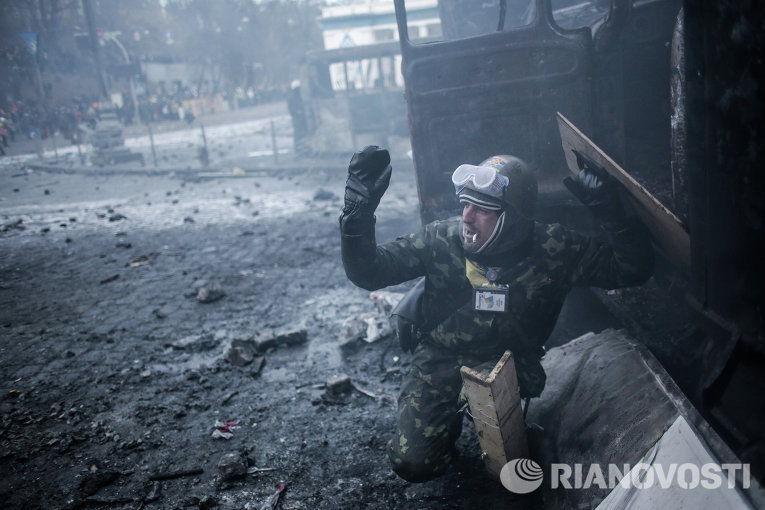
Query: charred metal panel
(726, 157)
(493, 94)
(631, 87)
(724, 49)
(679, 140)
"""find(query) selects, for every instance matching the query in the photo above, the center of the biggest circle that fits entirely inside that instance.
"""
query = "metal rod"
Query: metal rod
(204, 155)
(95, 46)
(273, 142)
(151, 139)
(79, 150)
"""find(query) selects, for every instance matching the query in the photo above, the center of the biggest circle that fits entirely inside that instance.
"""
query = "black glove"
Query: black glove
(596, 189)
(368, 177)
(407, 332)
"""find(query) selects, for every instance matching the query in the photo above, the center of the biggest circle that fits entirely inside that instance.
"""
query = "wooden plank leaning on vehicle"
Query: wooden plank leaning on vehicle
(666, 229)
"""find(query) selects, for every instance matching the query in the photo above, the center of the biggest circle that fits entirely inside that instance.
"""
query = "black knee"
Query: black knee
(417, 467)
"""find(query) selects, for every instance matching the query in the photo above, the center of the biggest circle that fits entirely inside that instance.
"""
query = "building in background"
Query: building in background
(349, 26)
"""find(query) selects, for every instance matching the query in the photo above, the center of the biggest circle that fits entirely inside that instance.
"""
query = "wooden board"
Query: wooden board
(495, 405)
(666, 229)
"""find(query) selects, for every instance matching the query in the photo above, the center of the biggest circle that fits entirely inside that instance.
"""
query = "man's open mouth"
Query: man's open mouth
(470, 236)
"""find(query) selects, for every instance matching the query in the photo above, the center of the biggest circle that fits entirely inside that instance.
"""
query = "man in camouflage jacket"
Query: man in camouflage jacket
(534, 264)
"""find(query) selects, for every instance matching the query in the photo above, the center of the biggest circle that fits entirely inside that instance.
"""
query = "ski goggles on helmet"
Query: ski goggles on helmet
(483, 179)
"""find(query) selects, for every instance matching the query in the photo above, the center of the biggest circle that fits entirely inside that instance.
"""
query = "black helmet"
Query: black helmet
(521, 191)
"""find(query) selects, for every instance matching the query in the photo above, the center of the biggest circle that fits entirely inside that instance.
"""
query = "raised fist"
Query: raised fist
(368, 177)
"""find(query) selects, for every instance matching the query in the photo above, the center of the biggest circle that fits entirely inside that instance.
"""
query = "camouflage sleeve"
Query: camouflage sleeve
(622, 258)
(373, 267)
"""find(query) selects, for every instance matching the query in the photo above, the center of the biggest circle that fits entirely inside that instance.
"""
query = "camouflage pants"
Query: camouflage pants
(428, 419)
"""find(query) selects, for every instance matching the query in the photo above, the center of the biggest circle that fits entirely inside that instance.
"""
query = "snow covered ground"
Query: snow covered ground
(229, 135)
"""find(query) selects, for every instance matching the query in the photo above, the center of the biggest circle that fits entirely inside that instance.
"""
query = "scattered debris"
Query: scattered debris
(273, 499)
(210, 293)
(323, 194)
(370, 393)
(140, 261)
(110, 279)
(352, 330)
(222, 434)
(255, 470)
(153, 495)
(185, 343)
(224, 429)
(17, 225)
(207, 502)
(370, 327)
(94, 480)
(385, 301)
(192, 501)
(265, 341)
(377, 328)
(257, 366)
(171, 475)
(338, 385)
(392, 371)
(292, 337)
(242, 353)
(106, 502)
(229, 396)
(362, 390)
(232, 465)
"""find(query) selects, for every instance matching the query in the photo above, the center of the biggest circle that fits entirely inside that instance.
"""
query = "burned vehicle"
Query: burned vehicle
(345, 87)
(651, 83)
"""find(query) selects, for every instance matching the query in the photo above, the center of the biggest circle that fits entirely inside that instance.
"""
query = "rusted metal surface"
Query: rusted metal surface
(679, 140)
(492, 94)
(498, 93)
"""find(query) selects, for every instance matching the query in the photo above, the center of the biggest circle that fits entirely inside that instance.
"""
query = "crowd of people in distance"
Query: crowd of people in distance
(29, 118)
